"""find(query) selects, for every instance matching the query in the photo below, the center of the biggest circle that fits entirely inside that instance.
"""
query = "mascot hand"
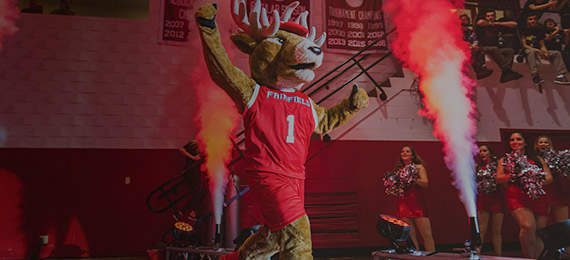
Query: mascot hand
(206, 15)
(358, 98)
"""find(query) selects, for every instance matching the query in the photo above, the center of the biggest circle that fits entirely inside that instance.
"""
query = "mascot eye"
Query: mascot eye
(276, 40)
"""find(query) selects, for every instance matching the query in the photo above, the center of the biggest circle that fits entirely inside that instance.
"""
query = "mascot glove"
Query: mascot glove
(360, 99)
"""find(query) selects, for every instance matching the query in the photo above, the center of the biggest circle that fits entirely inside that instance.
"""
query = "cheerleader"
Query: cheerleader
(525, 174)
(558, 205)
(490, 198)
(412, 177)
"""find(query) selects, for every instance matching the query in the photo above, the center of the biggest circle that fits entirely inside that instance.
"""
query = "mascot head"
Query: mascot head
(282, 54)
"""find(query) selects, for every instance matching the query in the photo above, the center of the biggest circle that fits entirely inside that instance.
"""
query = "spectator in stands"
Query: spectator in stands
(64, 8)
(537, 7)
(477, 56)
(34, 7)
(557, 39)
(533, 42)
(487, 33)
(508, 35)
(563, 9)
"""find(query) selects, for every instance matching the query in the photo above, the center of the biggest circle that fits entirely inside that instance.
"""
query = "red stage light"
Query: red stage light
(183, 226)
(396, 221)
(395, 230)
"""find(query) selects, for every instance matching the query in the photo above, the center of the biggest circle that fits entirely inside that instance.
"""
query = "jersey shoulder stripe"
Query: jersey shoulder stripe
(314, 113)
(253, 96)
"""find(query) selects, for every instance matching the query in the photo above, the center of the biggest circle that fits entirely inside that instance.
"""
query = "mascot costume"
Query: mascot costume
(278, 119)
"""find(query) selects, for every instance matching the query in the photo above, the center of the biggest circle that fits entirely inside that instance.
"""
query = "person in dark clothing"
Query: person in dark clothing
(555, 36)
(196, 179)
(191, 152)
(64, 8)
(557, 39)
(487, 31)
(537, 7)
(508, 36)
(34, 7)
(563, 9)
(477, 56)
(533, 42)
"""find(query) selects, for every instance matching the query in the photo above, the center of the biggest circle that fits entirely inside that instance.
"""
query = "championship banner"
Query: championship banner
(354, 24)
(175, 18)
(281, 5)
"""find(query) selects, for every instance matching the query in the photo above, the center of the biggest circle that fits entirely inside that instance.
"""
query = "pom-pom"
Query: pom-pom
(524, 174)
(396, 182)
(486, 178)
(558, 162)
(564, 163)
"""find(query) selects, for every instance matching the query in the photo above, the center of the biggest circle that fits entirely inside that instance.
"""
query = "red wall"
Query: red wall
(362, 169)
(79, 197)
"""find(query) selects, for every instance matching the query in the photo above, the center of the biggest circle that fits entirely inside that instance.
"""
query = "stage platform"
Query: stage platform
(202, 253)
(210, 253)
(387, 254)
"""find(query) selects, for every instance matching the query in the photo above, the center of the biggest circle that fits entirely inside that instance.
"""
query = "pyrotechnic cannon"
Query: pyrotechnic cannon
(475, 234)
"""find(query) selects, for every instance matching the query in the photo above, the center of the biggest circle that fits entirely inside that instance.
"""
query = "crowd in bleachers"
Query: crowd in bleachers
(502, 38)
(35, 7)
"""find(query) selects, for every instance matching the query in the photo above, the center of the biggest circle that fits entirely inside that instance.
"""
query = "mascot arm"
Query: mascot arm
(331, 118)
(231, 79)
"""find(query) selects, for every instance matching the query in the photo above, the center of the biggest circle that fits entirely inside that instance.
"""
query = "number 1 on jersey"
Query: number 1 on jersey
(290, 129)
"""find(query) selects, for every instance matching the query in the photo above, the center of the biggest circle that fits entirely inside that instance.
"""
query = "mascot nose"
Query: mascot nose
(316, 50)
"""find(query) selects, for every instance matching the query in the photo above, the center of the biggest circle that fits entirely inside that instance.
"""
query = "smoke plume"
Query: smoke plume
(429, 41)
(8, 15)
(217, 120)
(217, 116)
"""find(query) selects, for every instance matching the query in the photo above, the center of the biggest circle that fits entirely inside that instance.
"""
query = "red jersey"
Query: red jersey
(278, 128)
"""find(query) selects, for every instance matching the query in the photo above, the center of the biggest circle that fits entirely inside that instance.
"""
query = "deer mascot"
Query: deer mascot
(278, 119)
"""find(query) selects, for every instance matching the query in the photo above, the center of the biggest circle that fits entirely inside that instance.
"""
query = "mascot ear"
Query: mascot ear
(244, 42)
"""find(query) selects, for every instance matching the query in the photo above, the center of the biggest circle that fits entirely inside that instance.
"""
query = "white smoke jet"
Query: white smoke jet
(429, 40)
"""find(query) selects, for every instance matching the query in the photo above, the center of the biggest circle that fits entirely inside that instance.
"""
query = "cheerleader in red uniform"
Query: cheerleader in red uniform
(412, 205)
(558, 205)
(524, 199)
(490, 197)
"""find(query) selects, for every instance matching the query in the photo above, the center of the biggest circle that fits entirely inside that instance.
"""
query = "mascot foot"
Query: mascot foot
(233, 256)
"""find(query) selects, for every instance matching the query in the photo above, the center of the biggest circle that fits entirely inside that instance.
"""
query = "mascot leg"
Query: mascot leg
(295, 240)
(259, 246)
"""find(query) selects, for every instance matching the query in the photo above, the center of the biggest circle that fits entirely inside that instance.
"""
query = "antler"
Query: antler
(252, 26)
(262, 29)
(302, 20)
(289, 11)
